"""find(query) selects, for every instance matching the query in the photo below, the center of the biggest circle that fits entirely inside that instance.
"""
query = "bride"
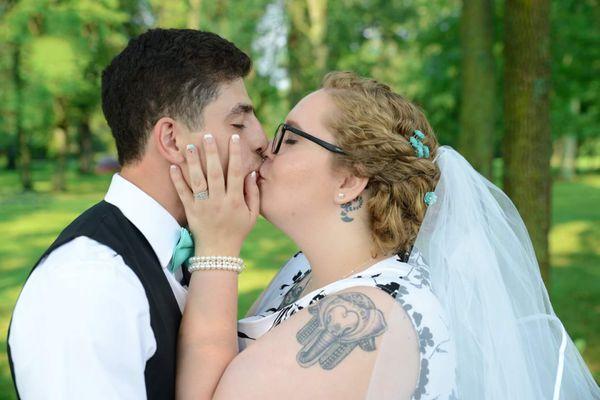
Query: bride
(416, 277)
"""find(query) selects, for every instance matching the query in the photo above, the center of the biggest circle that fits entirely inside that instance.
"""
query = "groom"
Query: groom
(98, 317)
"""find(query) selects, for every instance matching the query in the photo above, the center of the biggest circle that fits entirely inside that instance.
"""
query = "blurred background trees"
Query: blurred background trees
(508, 83)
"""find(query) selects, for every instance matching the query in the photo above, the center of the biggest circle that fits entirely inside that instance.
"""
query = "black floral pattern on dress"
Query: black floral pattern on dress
(390, 288)
(423, 380)
(244, 336)
(316, 298)
(417, 277)
(425, 339)
(420, 274)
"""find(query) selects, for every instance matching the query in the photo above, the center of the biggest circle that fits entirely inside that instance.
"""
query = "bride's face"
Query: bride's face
(298, 184)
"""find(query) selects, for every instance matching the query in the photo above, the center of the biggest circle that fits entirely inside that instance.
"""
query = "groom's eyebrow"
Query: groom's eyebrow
(240, 109)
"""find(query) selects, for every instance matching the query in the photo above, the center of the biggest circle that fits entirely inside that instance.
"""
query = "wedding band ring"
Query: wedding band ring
(201, 195)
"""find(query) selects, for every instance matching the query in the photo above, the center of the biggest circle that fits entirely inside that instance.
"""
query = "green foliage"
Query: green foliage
(413, 46)
(64, 46)
(576, 68)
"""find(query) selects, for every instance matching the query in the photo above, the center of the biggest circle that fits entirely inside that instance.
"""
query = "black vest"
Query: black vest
(107, 225)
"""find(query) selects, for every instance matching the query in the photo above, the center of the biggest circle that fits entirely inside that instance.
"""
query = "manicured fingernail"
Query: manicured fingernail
(191, 148)
(235, 138)
(253, 175)
(208, 138)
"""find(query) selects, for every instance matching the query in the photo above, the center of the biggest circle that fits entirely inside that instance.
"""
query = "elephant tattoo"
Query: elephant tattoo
(339, 323)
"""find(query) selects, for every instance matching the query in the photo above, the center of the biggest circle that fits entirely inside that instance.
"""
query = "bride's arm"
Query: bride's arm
(208, 332)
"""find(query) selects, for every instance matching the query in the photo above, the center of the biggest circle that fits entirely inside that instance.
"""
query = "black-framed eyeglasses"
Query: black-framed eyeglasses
(280, 135)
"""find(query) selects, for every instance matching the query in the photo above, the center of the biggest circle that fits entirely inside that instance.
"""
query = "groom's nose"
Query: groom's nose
(258, 140)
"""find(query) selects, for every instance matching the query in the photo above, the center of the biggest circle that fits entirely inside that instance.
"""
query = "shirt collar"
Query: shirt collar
(157, 225)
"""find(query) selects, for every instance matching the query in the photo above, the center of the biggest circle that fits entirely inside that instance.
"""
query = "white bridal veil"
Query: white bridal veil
(509, 342)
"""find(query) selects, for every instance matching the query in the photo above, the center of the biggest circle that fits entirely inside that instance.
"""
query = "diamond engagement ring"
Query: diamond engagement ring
(201, 195)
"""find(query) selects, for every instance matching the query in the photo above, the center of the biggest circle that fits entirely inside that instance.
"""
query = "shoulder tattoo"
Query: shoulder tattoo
(339, 324)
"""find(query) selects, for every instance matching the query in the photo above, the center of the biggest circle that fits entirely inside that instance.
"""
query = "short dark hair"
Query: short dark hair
(165, 72)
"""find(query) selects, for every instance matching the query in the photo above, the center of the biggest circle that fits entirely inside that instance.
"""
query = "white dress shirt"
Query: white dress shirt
(81, 327)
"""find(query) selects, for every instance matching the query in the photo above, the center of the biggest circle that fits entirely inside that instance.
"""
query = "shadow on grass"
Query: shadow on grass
(575, 257)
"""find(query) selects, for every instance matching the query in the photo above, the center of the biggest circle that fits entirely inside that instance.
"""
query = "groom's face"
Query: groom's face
(232, 112)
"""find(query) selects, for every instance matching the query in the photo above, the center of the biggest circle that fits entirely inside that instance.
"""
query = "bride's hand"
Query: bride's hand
(220, 223)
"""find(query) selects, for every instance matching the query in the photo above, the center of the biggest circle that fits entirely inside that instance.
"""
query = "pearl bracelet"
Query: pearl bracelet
(236, 260)
(216, 263)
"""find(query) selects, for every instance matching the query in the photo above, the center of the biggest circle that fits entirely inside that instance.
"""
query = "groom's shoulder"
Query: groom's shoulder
(82, 255)
(80, 246)
(79, 250)
(93, 218)
(82, 262)
(82, 280)
(100, 222)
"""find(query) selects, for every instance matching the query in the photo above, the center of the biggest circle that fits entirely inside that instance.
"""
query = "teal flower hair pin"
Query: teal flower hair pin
(430, 198)
(416, 141)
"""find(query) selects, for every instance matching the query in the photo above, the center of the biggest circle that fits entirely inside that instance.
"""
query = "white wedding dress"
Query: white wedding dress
(408, 283)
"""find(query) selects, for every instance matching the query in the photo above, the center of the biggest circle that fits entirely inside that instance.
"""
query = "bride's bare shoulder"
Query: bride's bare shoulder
(327, 350)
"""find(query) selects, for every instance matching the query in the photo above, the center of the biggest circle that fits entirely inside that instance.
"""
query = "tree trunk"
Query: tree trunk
(193, 21)
(219, 21)
(294, 44)
(317, 13)
(61, 143)
(307, 49)
(569, 155)
(86, 153)
(527, 140)
(24, 153)
(11, 158)
(478, 86)
(569, 147)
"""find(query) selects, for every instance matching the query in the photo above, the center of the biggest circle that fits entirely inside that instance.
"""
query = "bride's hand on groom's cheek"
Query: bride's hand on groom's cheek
(221, 222)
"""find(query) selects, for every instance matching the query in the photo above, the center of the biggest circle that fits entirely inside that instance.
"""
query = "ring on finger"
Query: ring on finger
(203, 195)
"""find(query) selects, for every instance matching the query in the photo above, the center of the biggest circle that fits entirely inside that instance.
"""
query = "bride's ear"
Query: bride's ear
(168, 138)
(349, 188)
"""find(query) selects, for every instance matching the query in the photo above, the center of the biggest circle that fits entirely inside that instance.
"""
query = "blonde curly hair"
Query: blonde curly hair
(373, 126)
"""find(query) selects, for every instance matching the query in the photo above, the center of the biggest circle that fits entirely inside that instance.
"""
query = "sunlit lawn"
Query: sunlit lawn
(30, 222)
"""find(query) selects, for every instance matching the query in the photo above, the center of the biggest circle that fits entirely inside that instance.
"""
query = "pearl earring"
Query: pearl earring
(341, 195)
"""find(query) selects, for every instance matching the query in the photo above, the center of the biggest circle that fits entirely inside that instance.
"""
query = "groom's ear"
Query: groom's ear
(168, 139)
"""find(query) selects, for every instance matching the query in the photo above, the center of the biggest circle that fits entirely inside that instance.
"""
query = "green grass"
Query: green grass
(29, 223)
(575, 258)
